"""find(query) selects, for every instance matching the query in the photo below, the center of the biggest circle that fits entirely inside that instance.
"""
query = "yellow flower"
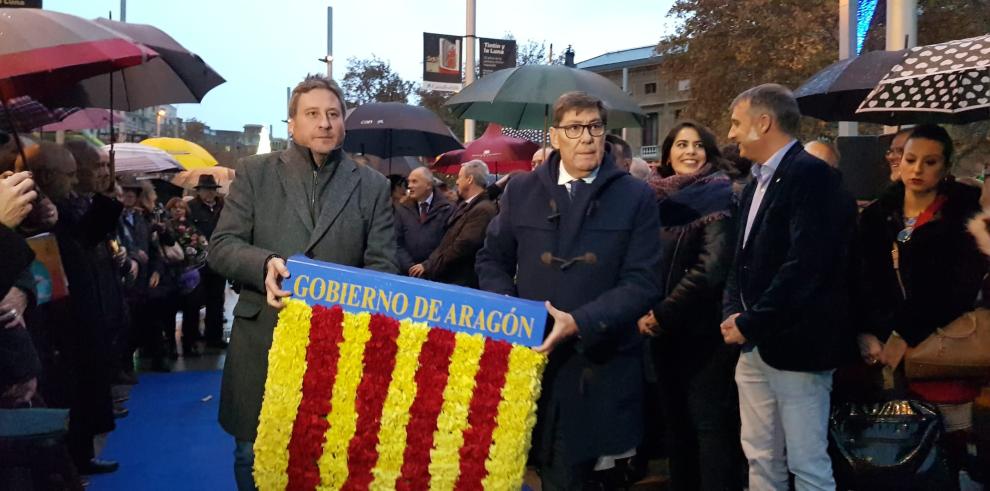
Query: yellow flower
(453, 419)
(395, 413)
(283, 392)
(343, 417)
(506, 463)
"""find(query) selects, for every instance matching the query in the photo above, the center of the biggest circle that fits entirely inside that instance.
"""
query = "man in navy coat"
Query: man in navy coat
(583, 236)
(786, 299)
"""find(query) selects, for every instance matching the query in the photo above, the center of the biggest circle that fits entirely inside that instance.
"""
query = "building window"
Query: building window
(683, 85)
(677, 115)
(650, 88)
(650, 127)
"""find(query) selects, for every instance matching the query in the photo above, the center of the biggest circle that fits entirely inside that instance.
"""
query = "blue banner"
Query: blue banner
(451, 307)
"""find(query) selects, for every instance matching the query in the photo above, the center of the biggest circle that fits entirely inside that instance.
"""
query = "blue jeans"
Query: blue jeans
(784, 425)
(243, 465)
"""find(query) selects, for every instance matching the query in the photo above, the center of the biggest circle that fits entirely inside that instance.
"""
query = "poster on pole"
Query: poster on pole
(496, 54)
(29, 4)
(441, 62)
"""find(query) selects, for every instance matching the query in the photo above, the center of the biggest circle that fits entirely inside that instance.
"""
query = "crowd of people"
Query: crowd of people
(131, 262)
(699, 309)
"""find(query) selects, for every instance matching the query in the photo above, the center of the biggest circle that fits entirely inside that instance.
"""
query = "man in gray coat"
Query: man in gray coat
(308, 199)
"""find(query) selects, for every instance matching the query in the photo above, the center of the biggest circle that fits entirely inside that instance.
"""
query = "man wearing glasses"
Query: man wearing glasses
(581, 235)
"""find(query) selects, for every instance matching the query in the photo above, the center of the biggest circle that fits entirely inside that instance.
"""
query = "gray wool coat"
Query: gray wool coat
(267, 212)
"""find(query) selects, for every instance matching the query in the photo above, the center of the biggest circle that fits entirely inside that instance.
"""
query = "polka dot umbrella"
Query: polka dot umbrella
(940, 83)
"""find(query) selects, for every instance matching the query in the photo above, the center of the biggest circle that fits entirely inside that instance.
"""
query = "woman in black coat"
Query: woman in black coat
(939, 268)
(694, 366)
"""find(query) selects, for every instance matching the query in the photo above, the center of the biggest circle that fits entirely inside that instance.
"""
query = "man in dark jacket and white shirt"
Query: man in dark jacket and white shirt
(786, 300)
(581, 235)
(420, 220)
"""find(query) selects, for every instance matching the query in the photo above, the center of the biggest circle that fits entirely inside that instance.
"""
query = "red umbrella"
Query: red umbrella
(449, 162)
(503, 154)
(45, 51)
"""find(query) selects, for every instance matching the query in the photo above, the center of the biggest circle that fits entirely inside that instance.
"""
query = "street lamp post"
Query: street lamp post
(158, 121)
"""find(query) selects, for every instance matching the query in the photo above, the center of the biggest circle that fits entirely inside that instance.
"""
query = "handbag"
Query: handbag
(189, 280)
(887, 445)
(959, 350)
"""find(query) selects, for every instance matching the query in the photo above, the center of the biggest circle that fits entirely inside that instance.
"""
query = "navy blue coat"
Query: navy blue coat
(594, 258)
(790, 283)
(415, 240)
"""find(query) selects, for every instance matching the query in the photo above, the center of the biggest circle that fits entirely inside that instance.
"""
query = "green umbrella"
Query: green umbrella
(522, 97)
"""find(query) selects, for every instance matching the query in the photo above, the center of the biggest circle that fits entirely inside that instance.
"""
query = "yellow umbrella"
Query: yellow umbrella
(189, 154)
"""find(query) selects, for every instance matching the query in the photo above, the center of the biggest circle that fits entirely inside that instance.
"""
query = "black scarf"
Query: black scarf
(693, 200)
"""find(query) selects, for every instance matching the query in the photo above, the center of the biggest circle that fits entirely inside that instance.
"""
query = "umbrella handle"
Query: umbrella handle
(113, 166)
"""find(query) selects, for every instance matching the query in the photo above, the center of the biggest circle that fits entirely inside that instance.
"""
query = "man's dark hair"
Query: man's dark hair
(316, 81)
(778, 101)
(577, 100)
(938, 134)
(624, 149)
(903, 129)
(712, 152)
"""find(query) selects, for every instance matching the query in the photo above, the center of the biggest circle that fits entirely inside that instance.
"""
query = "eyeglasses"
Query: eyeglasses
(595, 129)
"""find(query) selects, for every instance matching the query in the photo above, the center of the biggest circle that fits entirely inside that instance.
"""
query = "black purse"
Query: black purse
(888, 445)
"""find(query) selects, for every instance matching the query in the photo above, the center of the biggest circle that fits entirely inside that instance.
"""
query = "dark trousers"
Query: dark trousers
(557, 474)
(212, 287)
(91, 409)
(700, 402)
(159, 329)
(190, 320)
(129, 338)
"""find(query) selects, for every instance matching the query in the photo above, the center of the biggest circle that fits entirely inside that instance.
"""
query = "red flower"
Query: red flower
(431, 380)
(482, 413)
(310, 426)
(379, 361)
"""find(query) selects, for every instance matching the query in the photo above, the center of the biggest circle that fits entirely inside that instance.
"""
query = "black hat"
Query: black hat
(207, 181)
(130, 182)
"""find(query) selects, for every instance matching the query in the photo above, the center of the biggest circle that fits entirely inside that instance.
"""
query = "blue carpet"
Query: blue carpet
(171, 439)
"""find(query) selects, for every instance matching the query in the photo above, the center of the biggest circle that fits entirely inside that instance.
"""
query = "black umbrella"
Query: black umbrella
(176, 76)
(401, 166)
(940, 83)
(834, 93)
(391, 129)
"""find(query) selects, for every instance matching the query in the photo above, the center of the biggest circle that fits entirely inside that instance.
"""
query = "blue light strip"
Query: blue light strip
(864, 16)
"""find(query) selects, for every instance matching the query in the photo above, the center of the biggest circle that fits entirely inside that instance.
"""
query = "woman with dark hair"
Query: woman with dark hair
(922, 269)
(694, 366)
